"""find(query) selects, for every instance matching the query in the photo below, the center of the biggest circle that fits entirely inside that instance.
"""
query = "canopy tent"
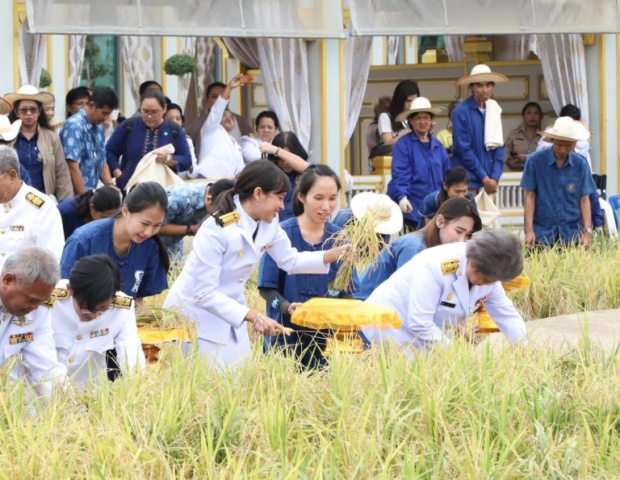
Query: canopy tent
(321, 18)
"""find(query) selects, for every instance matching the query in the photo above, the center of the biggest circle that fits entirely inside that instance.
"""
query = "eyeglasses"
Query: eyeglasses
(99, 311)
(26, 110)
(151, 113)
(4, 175)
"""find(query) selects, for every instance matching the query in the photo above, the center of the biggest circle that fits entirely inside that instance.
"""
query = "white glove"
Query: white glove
(405, 205)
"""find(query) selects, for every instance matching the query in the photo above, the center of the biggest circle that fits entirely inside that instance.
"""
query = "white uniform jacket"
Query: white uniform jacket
(82, 346)
(250, 149)
(31, 337)
(210, 287)
(431, 294)
(30, 219)
(220, 154)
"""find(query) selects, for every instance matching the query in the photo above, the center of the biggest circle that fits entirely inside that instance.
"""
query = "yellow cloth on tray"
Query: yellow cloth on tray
(153, 335)
(344, 314)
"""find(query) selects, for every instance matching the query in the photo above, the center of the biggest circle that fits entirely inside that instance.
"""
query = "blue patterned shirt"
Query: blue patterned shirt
(84, 142)
(186, 206)
(30, 158)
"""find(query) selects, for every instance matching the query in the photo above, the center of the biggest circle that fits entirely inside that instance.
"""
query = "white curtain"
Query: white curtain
(77, 44)
(454, 47)
(564, 68)
(137, 54)
(205, 57)
(245, 50)
(392, 49)
(512, 47)
(31, 55)
(357, 53)
(284, 65)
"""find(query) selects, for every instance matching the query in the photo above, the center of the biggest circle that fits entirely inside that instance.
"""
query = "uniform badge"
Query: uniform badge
(20, 321)
(570, 188)
(228, 218)
(99, 333)
(122, 301)
(450, 266)
(16, 228)
(27, 337)
(241, 252)
(266, 247)
(35, 199)
(449, 297)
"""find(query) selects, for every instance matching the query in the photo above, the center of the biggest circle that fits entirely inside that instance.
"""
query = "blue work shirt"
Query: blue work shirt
(143, 273)
(30, 158)
(468, 145)
(129, 143)
(300, 287)
(557, 217)
(71, 221)
(186, 206)
(391, 258)
(288, 198)
(84, 142)
(416, 171)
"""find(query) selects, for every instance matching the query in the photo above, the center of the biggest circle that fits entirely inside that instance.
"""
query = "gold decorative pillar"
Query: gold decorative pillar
(19, 17)
(382, 166)
(477, 49)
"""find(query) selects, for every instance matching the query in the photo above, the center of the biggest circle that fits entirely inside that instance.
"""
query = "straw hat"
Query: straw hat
(30, 92)
(5, 106)
(482, 74)
(388, 214)
(420, 104)
(9, 131)
(565, 128)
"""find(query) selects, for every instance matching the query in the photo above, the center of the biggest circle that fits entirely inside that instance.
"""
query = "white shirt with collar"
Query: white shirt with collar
(81, 346)
(31, 340)
(250, 149)
(220, 154)
(210, 289)
(30, 219)
(431, 295)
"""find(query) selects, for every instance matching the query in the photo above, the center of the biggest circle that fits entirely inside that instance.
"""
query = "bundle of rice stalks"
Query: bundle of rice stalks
(165, 319)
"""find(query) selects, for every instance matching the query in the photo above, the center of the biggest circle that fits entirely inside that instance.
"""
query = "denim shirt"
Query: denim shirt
(391, 258)
(557, 217)
(288, 198)
(30, 157)
(300, 287)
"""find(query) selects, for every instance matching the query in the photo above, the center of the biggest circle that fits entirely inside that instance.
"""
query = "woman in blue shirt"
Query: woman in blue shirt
(287, 152)
(130, 239)
(90, 205)
(456, 220)
(137, 136)
(314, 201)
(455, 184)
(419, 162)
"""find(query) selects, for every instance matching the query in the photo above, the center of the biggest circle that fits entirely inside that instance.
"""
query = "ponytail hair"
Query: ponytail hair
(454, 176)
(451, 210)
(102, 199)
(307, 181)
(260, 173)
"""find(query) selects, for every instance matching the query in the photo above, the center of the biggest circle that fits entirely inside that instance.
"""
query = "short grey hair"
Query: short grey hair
(8, 160)
(33, 264)
(495, 254)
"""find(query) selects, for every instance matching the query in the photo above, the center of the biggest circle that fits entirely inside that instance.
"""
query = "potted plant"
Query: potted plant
(180, 64)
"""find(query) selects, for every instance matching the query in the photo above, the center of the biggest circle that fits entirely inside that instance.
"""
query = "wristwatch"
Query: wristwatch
(587, 230)
(189, 231)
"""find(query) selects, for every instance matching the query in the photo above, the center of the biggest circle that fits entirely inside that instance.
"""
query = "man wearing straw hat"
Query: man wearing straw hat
(557, 183)
(476, 130)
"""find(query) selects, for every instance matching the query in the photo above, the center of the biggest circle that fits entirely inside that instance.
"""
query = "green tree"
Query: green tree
(93, 66)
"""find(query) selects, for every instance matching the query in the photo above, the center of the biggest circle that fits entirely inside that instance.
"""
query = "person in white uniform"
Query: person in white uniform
(27, 280)
(28, 218)
(90, 315)
(210, 289)
(267, 127)
(437, 291)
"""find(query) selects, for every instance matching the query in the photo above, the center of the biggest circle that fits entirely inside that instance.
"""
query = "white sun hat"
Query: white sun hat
(482, 74)
(420, 104)
(388, 214)
(568, 129)
(30, 92)
(8, 130)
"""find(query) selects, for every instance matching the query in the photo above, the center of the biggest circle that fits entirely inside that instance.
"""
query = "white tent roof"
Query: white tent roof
(321, 18)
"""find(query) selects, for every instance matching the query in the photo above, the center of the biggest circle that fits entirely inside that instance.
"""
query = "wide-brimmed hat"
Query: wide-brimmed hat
(420, 104)
(30, 92)
(380, 206)
(8, 130)
(5, 106)
(482, 74)
(568, 129)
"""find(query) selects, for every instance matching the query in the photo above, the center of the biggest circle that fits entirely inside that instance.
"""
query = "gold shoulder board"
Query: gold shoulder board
(228, 218)
(35, 199)
(450, 266)
(122, 301)
(59, 293)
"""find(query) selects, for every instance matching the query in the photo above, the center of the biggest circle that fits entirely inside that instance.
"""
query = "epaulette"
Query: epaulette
(122, 301)
(35, 199)
(450, 266)
(56, 126)
(59, 293)
(251, 135)
(228, 218)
